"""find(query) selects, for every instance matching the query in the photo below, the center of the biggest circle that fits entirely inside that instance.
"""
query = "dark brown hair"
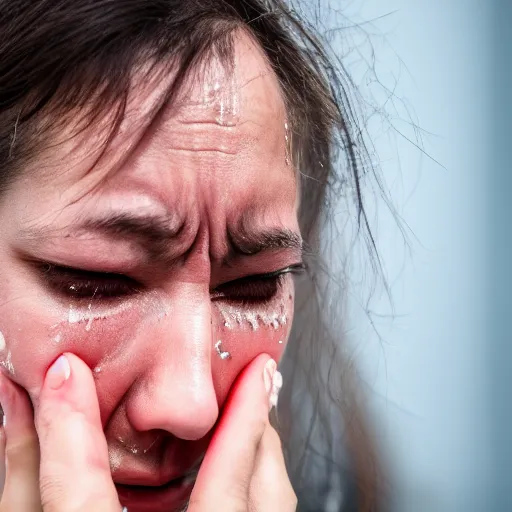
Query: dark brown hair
(65, 56)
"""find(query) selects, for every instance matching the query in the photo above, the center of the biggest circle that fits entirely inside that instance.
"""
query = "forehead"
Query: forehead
(218, 151)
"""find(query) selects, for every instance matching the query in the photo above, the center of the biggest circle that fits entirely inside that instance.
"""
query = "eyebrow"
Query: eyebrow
(155, 232)
(148, 229)
(247, 242)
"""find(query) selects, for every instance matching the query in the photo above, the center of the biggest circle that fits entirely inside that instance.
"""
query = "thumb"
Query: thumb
(75, 472)
(225, 476)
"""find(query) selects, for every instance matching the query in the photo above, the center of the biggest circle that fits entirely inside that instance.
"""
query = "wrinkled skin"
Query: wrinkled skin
(211, 178)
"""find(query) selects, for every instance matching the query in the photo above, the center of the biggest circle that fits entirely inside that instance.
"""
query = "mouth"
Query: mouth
(169, 497)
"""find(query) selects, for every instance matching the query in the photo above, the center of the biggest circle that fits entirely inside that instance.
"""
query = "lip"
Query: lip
(169, 497)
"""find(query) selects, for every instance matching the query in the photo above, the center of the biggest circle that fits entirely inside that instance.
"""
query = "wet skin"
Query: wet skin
(141, 264)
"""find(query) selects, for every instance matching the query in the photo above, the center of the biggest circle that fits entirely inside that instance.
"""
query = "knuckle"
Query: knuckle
(293, 500)
(52, 492)
(257, 429)
(22, 451)
(273, 438)
(57, 495)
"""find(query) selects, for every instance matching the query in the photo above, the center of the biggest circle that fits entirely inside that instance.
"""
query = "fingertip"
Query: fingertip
(68, 421)
(260, 381)
(66, 375)
(68, 386)
(58, 373)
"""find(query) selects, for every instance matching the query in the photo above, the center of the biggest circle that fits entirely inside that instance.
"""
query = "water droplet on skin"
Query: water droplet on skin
(287, 144)
(115, 458)
(73, 315)
(223, 96)
(227, 111)
(222, 354)
(253, 320)
(7, 364)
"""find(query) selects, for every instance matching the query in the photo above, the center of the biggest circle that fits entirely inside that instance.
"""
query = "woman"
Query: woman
(166, 169)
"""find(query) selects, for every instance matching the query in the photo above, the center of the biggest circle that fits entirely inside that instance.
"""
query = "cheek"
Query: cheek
(37, 332)
(246, 333)
(116, 341)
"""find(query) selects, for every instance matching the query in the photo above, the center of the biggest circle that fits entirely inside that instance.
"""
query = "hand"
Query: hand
(243, 468)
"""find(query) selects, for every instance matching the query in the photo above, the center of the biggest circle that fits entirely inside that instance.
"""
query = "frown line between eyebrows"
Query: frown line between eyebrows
(158, 232)
(155, 235)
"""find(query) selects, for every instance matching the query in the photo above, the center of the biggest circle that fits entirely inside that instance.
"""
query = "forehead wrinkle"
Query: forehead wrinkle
(161, 237)
(204, 137)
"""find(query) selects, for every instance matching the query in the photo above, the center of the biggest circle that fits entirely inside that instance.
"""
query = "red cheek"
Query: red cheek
(117, 342)
(245, 335)
(96, 335)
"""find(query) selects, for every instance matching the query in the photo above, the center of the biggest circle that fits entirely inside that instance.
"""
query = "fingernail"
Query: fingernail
(277, 384)
(58, 373)
(268, 374)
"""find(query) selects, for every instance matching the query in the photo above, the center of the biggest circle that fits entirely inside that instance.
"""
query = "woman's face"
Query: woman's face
(152, 265)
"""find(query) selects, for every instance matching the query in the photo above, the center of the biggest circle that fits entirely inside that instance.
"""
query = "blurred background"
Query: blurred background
(435, 79)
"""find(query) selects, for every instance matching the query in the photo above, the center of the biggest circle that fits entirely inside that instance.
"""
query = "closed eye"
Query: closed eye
(254, 289)
(87, 285)
(82, 284)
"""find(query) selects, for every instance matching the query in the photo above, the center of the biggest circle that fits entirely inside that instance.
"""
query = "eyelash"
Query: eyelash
(84, 285)
(255, 289)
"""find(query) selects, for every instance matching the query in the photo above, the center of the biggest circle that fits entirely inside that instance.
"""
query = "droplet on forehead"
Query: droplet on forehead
(287, 142)
(2, 341)
(226, 104)
(221, 93)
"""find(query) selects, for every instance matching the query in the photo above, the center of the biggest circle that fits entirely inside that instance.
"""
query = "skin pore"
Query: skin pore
(142, 263)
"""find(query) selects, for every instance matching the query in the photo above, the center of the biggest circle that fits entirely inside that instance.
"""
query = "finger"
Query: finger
(21, 452)
(3, 468)
(75, 472)
(271, 490)
(224, 478)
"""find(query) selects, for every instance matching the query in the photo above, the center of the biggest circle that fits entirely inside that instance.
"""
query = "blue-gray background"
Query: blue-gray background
(437, 364)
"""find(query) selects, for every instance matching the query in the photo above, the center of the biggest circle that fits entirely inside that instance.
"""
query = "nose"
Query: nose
(175, 390)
